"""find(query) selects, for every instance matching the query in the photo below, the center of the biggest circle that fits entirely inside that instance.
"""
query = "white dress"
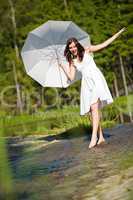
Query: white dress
(93, 85)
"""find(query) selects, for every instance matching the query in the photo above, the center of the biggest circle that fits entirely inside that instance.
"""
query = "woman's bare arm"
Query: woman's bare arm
(94, 48)
(69, 73)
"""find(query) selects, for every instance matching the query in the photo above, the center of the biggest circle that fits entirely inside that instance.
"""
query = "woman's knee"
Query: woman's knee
(94, 107)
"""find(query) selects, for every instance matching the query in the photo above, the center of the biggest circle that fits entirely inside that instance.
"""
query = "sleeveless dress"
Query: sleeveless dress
(93, 85)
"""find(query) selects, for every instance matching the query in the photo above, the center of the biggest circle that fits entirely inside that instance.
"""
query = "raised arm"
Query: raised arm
(98, 47)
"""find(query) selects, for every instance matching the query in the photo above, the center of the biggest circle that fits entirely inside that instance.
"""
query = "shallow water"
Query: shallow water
(62, 167)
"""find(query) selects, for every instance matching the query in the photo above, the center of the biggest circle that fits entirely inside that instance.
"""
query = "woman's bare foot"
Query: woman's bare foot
(101, 140)
(93, 143)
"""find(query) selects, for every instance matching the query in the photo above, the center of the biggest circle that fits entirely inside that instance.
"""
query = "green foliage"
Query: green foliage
(123, 104)
(58, 120)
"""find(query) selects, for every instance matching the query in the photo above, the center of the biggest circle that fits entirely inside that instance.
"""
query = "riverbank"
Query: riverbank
(61, 167)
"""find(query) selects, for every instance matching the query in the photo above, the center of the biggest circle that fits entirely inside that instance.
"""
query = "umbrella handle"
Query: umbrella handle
(59, 69)
(65, 71)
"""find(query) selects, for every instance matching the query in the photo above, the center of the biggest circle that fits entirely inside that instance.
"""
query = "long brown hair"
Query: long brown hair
(67, 53)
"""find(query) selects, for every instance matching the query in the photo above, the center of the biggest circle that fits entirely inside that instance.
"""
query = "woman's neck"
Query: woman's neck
(75, 56)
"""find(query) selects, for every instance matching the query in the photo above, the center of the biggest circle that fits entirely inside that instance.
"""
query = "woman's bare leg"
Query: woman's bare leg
(100, 132)
(95, 123)
(101, 137)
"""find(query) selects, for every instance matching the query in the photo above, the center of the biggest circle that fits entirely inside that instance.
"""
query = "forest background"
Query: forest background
(34, 109)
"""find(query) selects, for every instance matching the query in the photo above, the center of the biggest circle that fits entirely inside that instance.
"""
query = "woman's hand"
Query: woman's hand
(123, 29)
(117, 34)
(70, 72)
(60, 65)
(98, 47)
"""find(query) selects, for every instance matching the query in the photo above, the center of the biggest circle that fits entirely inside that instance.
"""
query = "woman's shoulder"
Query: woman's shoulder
(88, 52)
(88, 49)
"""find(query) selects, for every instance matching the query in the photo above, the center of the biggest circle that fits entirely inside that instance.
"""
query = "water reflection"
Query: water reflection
(62, 167)
(6, 181)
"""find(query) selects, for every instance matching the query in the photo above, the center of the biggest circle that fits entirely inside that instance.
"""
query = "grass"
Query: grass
(50, 122)
(55, 121)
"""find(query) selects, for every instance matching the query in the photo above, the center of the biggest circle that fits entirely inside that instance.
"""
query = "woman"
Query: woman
(94, 90)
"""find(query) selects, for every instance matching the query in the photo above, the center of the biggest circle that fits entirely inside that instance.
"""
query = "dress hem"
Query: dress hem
(103, 102)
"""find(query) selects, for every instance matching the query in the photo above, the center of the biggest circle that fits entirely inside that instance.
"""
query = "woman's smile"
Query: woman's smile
(73, 48)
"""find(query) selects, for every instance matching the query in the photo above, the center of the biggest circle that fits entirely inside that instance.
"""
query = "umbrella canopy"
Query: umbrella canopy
(43, 51)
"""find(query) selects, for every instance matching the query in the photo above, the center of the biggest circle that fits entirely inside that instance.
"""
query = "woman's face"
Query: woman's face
(73, 48)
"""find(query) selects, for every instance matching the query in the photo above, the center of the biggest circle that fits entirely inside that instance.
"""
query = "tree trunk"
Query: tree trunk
(66, 7)
(116, 86)
(65, 4)
(123, 75)
(19, 100)
(117, 95)
(125, 84)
